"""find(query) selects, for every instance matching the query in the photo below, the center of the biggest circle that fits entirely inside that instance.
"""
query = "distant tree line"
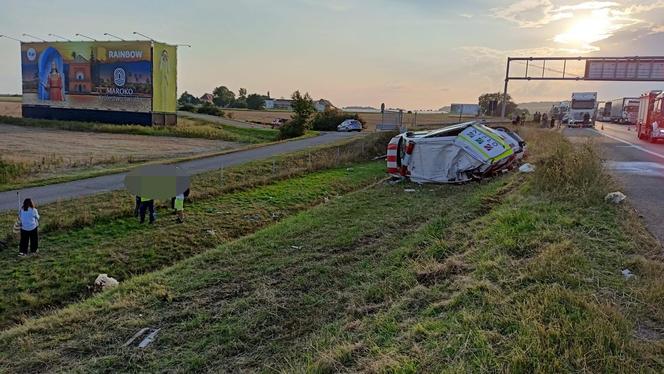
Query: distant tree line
(304, 112)
(223, 97)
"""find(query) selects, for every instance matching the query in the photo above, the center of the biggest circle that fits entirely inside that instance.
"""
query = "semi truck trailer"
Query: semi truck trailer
(625, 110)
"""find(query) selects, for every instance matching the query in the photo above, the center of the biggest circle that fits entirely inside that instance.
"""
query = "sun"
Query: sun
(594, 27)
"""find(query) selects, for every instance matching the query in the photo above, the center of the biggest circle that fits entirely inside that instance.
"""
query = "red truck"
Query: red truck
(650, 121)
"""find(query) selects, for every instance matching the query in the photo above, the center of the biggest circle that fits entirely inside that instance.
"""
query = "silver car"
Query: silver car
(350, 125)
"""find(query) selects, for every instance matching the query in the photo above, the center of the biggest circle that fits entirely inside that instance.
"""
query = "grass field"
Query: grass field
(45, 153)
(62, 151)
(507, 275)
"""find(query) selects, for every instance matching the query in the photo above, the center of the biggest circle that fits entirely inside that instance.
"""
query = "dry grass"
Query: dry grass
(424, 120)
(44, 153)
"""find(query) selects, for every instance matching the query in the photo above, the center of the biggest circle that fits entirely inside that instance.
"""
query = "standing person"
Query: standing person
(178, 205)
(137, 206)
(29, 218)
(518, 120)
(147, 204)
(545, 119)
(560, 119)
(553, 121)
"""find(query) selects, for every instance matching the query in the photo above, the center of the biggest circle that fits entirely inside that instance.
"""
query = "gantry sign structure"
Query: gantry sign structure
(617, 69)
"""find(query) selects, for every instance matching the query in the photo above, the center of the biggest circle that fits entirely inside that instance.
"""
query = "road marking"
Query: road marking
(652, 169)
(631, 144)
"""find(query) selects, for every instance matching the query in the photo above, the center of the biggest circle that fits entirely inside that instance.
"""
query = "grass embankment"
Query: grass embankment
(187, 128)
(225, 206)
(508, 275)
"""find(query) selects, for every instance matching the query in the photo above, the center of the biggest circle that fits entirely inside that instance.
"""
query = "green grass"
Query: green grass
(122, 247)
(187, 128)
(501, 276)
(91, 210)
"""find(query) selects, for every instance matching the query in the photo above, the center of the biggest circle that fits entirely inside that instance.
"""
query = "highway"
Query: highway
(637, 165)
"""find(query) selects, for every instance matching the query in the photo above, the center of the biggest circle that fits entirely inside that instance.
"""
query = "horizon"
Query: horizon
(417, 55)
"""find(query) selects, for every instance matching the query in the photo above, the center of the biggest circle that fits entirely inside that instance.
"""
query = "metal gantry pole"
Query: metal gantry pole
(507, 79)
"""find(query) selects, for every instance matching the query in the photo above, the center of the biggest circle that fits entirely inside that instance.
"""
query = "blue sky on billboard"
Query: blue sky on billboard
(408, 53)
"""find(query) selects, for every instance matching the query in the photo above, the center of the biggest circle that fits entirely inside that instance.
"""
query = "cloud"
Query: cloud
(587, 23)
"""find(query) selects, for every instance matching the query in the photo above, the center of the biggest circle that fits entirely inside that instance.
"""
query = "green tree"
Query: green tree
(303, 108)
(242, 93)
(485, 104)
(188, 99)
(223, 97)
(255, 102)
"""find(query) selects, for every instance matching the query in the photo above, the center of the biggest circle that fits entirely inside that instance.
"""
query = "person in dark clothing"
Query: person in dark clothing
(586, 118)
(137, 206)
(29, 218)
(553, 121)
(147, 204)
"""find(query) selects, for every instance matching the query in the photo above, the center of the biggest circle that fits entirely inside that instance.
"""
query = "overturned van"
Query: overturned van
(454, 154)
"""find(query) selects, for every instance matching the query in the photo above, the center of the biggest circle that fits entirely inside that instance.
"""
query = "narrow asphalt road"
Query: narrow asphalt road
(85, 187)
(223, 120)
(636, 164)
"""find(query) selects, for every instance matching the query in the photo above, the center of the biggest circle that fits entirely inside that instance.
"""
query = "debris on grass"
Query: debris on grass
(149, 338)
(527, 168)
(628, 274)
(104, 282)
(615, 197)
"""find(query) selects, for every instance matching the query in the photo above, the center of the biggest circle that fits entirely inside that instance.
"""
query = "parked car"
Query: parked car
(350, 125)
(278, 122)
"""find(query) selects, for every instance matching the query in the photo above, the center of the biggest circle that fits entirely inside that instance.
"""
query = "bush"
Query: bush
(187, 108)
(293, 128)
(331, 118)
(572, 171)
(10, 171)
(211, 109)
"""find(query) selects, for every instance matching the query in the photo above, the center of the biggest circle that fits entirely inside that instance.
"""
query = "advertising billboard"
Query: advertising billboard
(107, 81)
(164, 66)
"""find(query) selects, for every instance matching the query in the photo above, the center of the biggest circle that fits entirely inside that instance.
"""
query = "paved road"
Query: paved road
(223, 120)
(63, 191)
(638, 166)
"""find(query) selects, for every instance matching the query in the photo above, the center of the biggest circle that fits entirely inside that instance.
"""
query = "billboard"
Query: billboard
(82, 77)
(164, 66)
(625, 70)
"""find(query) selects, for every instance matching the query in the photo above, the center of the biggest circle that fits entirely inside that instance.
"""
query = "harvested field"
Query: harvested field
(47, 151)
(424, 120)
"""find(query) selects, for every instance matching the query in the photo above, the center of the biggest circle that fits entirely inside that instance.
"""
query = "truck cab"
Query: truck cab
(650, 124)
(583, 109)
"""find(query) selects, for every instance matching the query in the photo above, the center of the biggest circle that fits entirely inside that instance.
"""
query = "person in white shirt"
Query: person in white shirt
(29, 218)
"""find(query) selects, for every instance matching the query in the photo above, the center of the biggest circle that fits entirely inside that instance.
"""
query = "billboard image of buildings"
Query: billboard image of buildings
(110, 81)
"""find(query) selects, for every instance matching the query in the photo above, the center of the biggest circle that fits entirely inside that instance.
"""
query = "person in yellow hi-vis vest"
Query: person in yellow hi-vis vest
(147, 204)
(179, 207)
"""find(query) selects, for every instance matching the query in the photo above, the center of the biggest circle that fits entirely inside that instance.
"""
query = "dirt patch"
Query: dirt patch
(10, 109)
(53, 150)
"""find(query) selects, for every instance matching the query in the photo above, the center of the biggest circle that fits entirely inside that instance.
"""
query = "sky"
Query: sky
(411, 54)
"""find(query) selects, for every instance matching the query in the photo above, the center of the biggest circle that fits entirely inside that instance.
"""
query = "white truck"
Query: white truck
(583, 109)
(625, 110)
